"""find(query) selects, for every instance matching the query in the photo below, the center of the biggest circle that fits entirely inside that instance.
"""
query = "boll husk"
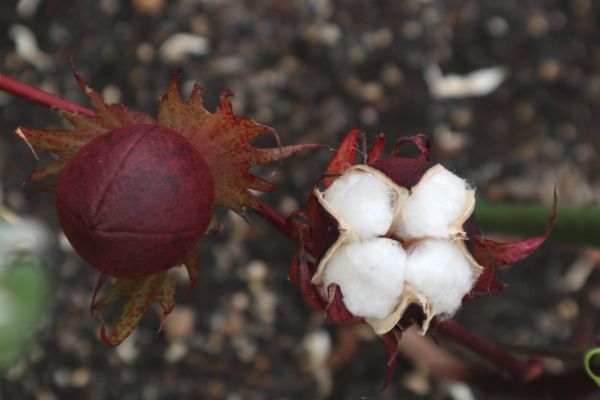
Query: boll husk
(407, 206)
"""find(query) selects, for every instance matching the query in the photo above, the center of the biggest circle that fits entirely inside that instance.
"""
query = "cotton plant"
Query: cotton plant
(392, 242)
(388, 241)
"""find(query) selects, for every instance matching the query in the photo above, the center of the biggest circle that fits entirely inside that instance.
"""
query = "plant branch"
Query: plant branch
(517, 368)
(40, 97)
(277, 220)
(574, 225)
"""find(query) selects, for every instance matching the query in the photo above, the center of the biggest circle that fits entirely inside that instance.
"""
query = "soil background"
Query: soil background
(314, 70)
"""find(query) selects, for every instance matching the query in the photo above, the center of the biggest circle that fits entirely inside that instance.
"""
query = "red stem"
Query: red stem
(40, 97)
(277, 220)
(488, 350)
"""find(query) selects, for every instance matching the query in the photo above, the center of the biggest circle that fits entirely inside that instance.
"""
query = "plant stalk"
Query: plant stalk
(573, 225)
(40, 97)
(517, 368)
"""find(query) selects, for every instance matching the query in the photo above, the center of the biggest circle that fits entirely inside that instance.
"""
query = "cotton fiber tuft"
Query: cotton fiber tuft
(364, 202)
(440, 270)
(436, 202)
(370, 275)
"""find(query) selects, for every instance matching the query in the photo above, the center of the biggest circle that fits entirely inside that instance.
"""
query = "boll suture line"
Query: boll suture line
(398, 246)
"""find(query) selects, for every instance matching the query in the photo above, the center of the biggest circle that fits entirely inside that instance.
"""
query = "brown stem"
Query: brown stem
(40, 97)
(491, 352)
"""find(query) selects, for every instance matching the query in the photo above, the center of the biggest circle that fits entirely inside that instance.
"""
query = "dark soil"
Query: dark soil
(313, 70)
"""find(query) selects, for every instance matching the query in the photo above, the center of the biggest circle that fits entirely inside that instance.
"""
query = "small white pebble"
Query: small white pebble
(364, 202)
(27, 47)
(370, 275)
(177, 47)
(477, 83)
(440, 270)
(436, 202)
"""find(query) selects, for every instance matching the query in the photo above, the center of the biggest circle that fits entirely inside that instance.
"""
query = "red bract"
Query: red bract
(135, 201)
(406, 172)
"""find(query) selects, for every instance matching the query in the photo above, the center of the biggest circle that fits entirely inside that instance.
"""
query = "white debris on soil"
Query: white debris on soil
(177, 47)
(477, 83)
(435, 203)
(27, 8)
(370, 275)
(363, 201)
(440, 270)
(27, 47)
(317, 346)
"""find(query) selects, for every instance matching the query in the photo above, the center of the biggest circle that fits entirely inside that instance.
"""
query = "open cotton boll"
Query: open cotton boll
(363, 201)
(370, 275)
(440, 270)
(436, 202)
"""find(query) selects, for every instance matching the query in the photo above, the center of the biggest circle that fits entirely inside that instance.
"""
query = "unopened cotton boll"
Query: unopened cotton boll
(363, 201)
(370, 275)
(440, 270)
(436, 202)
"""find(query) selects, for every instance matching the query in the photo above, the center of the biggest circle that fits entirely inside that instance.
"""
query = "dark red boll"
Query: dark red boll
(135, 201)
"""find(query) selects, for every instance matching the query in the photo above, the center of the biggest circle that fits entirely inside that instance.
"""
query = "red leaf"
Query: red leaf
(323, 228)
(510, 253)
(300, 274)
(421, 141)
(377, 149)
(391, 344)
(336, 309)
(486, 284)
(404, 172)
(344, 157)
(491, 254)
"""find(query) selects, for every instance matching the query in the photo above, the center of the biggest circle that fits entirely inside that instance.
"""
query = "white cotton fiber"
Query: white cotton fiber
(370, 275)
(364, 202)
(440, 271)
(435, 203)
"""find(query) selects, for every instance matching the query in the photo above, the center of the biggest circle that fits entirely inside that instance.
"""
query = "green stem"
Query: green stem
(574, 225)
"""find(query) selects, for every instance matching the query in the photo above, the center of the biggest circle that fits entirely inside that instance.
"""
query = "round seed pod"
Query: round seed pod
(135, 201)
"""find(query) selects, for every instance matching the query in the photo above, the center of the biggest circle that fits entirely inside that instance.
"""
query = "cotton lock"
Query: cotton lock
(440, 270)
(370, 275)
(363, 202)
(435, 206)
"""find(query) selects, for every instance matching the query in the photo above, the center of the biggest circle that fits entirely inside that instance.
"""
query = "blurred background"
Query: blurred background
(508, 91)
